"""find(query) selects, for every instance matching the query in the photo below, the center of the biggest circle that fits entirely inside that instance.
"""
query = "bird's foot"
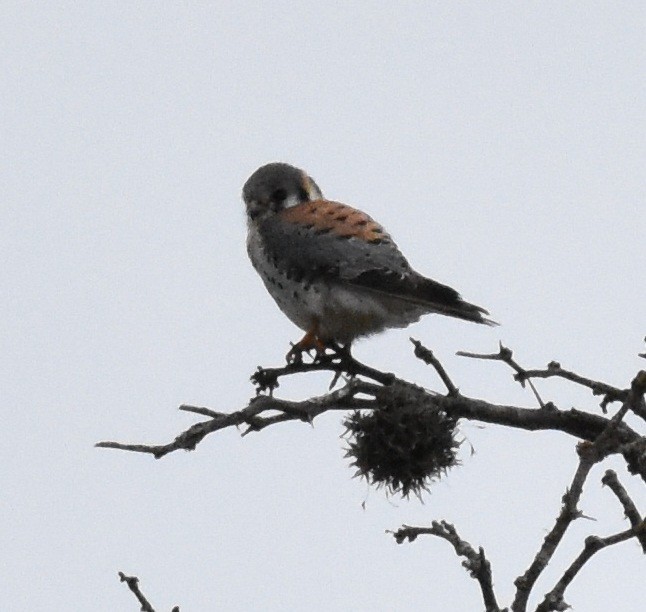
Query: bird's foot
(310, 341)
(343, 351)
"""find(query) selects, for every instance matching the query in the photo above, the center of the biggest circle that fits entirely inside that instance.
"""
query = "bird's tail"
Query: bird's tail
(424, 292)
(466, 311)
(447, 301)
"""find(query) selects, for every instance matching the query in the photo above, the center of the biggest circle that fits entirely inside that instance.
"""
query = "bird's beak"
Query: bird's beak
(254, 208)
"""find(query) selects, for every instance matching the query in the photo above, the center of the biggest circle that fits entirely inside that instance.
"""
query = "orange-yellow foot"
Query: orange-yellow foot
(308, 342)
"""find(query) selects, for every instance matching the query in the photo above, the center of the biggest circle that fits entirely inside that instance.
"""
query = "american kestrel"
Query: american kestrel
(332, 269)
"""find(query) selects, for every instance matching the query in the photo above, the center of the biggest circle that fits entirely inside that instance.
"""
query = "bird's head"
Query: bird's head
(276, 186)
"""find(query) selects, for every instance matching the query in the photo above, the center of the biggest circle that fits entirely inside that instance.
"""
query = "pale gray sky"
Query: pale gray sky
(502, 144)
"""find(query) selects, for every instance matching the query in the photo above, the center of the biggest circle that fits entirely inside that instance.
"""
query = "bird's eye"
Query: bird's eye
(278, 196)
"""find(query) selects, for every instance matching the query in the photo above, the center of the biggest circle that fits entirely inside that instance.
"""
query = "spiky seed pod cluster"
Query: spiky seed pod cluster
(401, 447)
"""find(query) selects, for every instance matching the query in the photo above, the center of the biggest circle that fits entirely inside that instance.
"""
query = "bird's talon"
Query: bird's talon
(294, 355)
(320, 356)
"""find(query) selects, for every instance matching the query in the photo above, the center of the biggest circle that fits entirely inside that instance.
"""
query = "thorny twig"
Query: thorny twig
(506, 355)
(133, 585)
(251, 416)
(266, 379)
(593, 544)
(475, 563)
(554, 369)
(590, 452)
(589, 455)
(427, 356)
(611, 480)
(600, 437)
(573, 422)
(582, 425)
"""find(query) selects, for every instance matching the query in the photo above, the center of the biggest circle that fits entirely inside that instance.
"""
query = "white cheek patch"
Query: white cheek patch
(290, 201)
(313, 192)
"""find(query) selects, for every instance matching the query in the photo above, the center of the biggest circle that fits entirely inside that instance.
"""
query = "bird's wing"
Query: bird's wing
(338, 242)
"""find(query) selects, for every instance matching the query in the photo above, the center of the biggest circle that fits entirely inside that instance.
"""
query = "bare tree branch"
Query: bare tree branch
(582, 425)
(554, 369)
(611, 480)
(635, 455)
(506, 355)
(569, 512)
(266, 379)
(367, 389)
(573, 422)
(475, 563)
(133, 585)
(593, 544)
(635, 398)
(427, 356)
(342, 399)
(589, 454)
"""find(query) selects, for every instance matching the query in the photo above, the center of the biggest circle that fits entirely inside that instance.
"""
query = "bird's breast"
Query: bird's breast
(338, 310)
(302, 299)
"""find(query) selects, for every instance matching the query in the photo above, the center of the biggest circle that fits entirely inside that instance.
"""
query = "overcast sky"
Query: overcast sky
(502, 145)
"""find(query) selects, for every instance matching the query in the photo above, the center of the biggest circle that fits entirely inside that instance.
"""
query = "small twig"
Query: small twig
(475, 563)
(599, 437)
(203, 411)
(342, 399)
(569, 512)
(307, 410)
(266, 379)
(576, 423)
(593, 544)
(133, 585)
(581, 425)
(554, 369)
(589, 455)
(506, 355)
(427, 356)
(635, 455)
(635, 396)
(631, 512)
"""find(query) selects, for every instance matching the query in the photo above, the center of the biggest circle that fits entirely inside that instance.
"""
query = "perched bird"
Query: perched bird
(332, 269)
